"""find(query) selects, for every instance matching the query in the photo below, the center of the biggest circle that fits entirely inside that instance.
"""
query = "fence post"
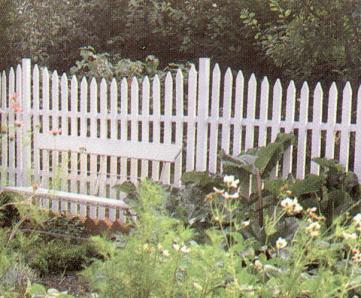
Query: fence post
(202, 123)
(26, 128)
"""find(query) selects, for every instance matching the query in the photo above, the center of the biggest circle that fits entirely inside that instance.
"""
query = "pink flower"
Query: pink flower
(19, 123)
(55, 132)
(13, 96)
(16, 107)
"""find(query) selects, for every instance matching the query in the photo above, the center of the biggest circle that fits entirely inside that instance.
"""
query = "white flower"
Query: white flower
(165, 253)
(348, 236)
(313, 229)
(258, 265)
(219, 191)
(245, 224)
(357, 219)
(230, 181)
(214, 5)
(197, 286)
(227, 196)
(281, 243)
(176, 246)
(357, 256)
(185, 249)
(291, 207)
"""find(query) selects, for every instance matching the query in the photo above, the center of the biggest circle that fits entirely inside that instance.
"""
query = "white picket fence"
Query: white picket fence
(202, 112)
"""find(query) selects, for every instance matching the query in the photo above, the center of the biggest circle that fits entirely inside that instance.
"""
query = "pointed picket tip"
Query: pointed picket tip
(333, 88)
(192, 71)
(55, 75)
(240, 76)
(265, 81)
(179, 75)
(36, 70)
(103, 83)
(18, 68)
(124, 82)
(278, 84)
(305, 89)
(84, 81)
(318, 89)
(145, 81)
(216, 69)
(113, 83)
(168, 77)
(291, 85)
(134, 81)
(347, 90)
(11, 73)
(74, 79)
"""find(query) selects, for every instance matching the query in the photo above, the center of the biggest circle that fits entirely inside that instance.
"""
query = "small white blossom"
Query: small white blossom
(245, 224)
(258, 265)
(230, 181)
(227, 196)
(291, 207)
(185, 249)
(219, 191)
(281, 243)
(165, 253)
(357, 219)
(314, 229)
(176, 246)
(214, 5)
(348, 236)
(198, 286)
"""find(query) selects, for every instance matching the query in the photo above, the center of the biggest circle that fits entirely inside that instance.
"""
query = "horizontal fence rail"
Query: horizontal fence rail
(201, 111)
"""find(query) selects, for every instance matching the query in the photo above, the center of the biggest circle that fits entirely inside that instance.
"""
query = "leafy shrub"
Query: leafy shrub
(59, 255)
(159, 258)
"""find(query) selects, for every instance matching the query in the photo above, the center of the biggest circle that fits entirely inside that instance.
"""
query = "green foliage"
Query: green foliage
(308, 40)
(103, 66)
(59, 255)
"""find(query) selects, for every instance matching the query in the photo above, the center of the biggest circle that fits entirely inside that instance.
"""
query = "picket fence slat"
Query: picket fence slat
(199, 121)
(316, 131)
(331, 120)
(345, 122)
(213, 138)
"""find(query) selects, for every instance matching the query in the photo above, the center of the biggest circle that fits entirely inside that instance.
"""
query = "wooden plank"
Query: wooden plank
(302, 132)
(345, 125)
(74, 133)
(18, 128)
(11, 124)
(129, 149)
(55, 167)
(316, 127)
(145, 122)
(357, 152)
(4, 131)
(26, 118)
(103, 138)
(262, 135)
(134, 126)
(36, 123)
(83, 133)
(227, 108)
(290, 119)
(214, 120)
(113, 136)
(156, 124)
(124, 127)
(64, 130)
(238, 114)
(179, 126)
(93, 96)
(251, 111)
(331, 121)
(191, 131)
(168, 108)
(46, 114)
(276, 117)
(202, 123)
